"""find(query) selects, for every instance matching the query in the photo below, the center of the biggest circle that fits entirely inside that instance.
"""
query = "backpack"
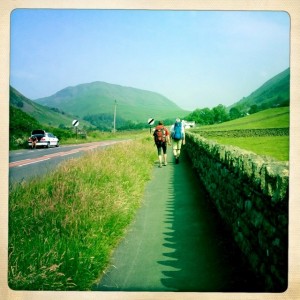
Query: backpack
(159, 134)
(177, 131)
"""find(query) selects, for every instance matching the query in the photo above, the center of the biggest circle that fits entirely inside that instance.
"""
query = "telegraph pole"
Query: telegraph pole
(115, 115)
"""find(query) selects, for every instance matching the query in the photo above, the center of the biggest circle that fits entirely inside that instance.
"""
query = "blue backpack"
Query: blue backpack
(177, 131)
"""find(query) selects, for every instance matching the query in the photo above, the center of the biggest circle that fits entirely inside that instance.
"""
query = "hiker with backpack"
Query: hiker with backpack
(178, 138)
(161, 138)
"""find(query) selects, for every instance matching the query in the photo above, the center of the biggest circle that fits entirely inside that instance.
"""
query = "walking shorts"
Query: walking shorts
(177, 144)
(161, 146)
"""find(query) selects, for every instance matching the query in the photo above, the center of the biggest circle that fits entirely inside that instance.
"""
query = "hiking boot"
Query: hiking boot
(165, 163)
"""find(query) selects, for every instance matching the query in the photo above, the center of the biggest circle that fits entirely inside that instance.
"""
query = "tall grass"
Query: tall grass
(63, 227)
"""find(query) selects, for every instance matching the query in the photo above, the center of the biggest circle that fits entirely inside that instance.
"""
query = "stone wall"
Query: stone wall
(245, 132)
(251, 195)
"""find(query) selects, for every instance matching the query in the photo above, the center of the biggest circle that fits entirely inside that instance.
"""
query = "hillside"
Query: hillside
(99, 98)
(275, 92)
(270, 118)
(264, 133)
(42, 114)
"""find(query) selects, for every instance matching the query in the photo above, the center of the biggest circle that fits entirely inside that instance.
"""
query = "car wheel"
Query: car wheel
(48, 145)
(57, 144)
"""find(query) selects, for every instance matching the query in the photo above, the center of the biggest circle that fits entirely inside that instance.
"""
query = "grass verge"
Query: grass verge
(97, 136)
(63, 227)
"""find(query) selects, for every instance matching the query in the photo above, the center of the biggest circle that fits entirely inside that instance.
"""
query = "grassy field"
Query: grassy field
(269, 118)
(63, 227)
(274, 145)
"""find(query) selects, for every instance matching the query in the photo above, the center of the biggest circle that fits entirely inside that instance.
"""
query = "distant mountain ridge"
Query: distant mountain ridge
(42, 114)
(273, 93)
(100, 97)
(93, 104)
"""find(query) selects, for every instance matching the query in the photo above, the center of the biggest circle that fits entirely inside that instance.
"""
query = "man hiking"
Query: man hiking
(161, 138)
(178, 138)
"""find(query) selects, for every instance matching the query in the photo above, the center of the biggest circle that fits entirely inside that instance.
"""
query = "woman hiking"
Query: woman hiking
(161, 138)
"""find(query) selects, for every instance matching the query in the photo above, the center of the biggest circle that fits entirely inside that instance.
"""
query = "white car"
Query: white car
(41, 138)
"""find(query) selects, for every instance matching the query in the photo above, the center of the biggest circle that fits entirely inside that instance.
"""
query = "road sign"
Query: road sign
(75, 123)
(151, 121)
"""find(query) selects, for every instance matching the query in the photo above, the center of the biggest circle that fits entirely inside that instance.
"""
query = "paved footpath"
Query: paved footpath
(177, 241)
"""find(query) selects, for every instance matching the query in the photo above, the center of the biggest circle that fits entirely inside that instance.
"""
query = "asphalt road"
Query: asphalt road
(177, 242)
(27, 163)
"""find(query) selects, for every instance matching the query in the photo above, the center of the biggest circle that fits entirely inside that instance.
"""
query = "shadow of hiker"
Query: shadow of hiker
(203, 256)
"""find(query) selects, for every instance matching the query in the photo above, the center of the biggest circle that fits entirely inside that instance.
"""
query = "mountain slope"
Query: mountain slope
(278, 117)
(275, 92)
(42, 114)
(99, 98)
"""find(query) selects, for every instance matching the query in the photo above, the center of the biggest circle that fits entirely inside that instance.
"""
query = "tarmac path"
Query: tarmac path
(177, 241)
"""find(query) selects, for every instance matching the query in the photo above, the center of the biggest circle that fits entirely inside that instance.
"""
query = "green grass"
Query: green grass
(97, 136)
(269, 118)
(276, 147)
(273, 146)
(63, 227)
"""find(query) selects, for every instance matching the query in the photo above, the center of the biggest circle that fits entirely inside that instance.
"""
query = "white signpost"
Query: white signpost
(75, 123)
(150, 122)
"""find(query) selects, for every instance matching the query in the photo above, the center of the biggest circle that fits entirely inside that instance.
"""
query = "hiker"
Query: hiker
(178, 138)
(161, 138)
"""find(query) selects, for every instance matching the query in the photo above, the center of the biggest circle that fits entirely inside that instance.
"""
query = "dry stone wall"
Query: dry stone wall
(251, 195)
(246, 132)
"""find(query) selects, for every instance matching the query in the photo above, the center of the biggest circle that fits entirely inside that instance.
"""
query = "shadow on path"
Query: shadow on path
(202, 251)
(177, 241)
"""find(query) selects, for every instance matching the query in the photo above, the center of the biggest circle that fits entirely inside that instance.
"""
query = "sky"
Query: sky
(197, 59)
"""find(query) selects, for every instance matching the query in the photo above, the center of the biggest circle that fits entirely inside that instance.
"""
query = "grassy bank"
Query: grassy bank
(269, 118)
(63, 227)
(273, 146)
(261, 133)
(97, 136)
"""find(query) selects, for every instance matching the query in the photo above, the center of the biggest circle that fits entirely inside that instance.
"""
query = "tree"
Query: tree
(201, 116)
(235, 113)
(219, 114)
(253, 109)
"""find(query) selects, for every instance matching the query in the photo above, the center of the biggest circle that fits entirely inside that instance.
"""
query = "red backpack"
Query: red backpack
(160, 134)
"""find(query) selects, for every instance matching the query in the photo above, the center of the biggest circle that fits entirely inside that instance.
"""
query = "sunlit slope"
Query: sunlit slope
(273, 93)
(265, 133)
(44, 115)
(100, 98)
(269, 118)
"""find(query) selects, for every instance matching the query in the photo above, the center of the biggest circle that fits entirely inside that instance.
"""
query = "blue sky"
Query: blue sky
(196, 59)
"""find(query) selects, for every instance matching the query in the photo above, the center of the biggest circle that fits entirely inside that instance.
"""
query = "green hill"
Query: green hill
(270, 118)
(274, 93)
(44, 115)
(98, 98)
(265, 133)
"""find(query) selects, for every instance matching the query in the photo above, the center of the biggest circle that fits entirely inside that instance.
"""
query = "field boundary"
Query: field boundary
(245, 132)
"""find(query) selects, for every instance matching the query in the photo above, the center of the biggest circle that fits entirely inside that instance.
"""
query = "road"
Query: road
(177, 242)
(27, 163)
